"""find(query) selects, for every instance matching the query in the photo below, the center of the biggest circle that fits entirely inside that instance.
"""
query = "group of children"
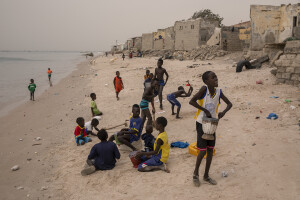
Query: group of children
(104, 154)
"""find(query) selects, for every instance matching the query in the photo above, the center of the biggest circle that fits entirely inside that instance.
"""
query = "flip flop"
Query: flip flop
(196, 180)
(210, 181)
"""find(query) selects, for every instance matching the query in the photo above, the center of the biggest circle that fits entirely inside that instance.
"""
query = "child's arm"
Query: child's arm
(159, 143)
(92, 112)
(187, 94)
(122, 84)
(198, 96)
(114, 82)
(167, 76)
(229, 105)
(152, 104)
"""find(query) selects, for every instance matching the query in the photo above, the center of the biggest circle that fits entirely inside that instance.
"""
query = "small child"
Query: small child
(90, 125)
(180, 93)
(80, 135)
(161, 151)
(94, 109)
(148, 138)
(207, 102)
(127, 136)
(146, 76)
(49, 74)
(123, 56)
(147, 82)
(31, 88)
(118, 83)
(102, 156)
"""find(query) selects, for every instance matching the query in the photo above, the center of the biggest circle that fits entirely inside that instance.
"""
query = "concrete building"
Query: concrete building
(190, 34)
(273, 24)
(147, 41)
(137, 43)
(169, 38)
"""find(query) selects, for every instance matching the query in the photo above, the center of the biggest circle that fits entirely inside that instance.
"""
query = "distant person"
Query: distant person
(123, 56)
(49, 74)
(31, 88)
(172, 98)
(94, 109)
(102, 156)
(159, 74)
(106, 54)
(80, 135)
(118, 84)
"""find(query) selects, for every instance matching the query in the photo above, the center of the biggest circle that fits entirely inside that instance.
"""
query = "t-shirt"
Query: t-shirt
(137, 125)
(78, 130)
(31, 87)
(105, 155)
(96, 111)
(49, 72)
(88, 126)
(164, 149)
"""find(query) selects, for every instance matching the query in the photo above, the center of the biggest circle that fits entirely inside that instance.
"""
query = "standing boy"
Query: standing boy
(161, 151)
(31, 88)
(207, 102)
(180, 93)
(118, 83)
(102, 156)
(159, 74)
(123, 56)
(80, 135)
(94, 109)
(127, 136)
(49, 74)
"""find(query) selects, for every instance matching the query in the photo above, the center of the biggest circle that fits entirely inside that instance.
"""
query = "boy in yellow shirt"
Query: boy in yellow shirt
(161, 151)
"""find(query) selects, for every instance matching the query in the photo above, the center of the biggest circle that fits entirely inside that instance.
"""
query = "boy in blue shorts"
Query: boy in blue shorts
(159, 74)
(160, 155)
(207, 102)
(80, 135)
(127, 136)
(180, 93)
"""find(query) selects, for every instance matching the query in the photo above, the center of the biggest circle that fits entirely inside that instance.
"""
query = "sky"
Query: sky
(96, 25)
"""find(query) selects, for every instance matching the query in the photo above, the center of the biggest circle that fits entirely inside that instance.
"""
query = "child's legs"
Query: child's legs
(201, 145)
(80, 141)
(125, 139)
(87, 139)
(161, 87)
(149, 116)
(150, 164)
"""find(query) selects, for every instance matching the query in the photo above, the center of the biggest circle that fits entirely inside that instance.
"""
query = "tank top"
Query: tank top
(165, 148)
(211, 103)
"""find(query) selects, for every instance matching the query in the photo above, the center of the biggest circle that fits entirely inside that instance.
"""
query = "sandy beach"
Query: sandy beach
(261, 156)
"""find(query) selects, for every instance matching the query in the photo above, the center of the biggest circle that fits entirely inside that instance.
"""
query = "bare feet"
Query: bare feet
(165, 168)
(196, 180)
(210, 181)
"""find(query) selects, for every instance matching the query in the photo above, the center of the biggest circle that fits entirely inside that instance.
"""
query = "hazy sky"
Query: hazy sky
(97, 24)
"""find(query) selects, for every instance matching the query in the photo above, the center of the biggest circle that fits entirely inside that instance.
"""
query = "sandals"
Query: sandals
(196, 180)
(210, 181)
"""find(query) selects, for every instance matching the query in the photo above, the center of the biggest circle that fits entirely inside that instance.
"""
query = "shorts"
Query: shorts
(144, 104)
(49, 75)
(172, 99)
(153, 161)
(201, 143)
(161, 82)
(134, 138)
(85, 139)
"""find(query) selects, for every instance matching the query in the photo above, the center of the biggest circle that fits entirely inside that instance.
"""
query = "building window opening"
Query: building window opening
(295, 21)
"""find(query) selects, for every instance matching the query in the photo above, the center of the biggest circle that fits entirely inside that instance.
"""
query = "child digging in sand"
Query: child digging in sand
(102, 156)
(160, 155)
(31, 88)
(127, 136)
(94, 109)
(207, 102)
(172, 98)
(118, 83)
(80, 135)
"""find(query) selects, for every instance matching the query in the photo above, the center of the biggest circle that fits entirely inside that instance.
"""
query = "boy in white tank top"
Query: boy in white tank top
(207, 100)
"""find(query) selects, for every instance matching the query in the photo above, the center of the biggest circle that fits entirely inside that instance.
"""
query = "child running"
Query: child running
(180, 93)
(207, 102)
(127, 136)
(94, 109)
(118, 83)
(102, 156)
(161, 151)
(31, 88)
(80, 135)
(159, 74)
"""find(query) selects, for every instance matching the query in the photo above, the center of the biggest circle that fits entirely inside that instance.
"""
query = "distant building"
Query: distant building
(147, 41)
(137, 43)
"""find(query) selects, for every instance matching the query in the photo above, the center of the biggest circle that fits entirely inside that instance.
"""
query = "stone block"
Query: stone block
(286, 75)
(297, 70)
(281, 69)
(278, 63)
(295, 77)
(296, 83)
(279, 75)
(295, 63)
(298, 57)
(292, 47)
(286, 63)
(290, 70)
(289, 82)
(290, 56)
(280, 80)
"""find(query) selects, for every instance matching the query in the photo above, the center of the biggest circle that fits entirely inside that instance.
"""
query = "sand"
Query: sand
(261, 156)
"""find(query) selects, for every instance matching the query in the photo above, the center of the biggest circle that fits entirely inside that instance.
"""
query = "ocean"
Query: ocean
(17, 68)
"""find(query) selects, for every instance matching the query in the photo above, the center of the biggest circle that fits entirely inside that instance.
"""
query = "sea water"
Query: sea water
(17, 68)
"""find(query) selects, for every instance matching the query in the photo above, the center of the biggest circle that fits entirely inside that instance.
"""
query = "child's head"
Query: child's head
(48, 68)
(149, 128)
(94, 122)
(31, 81)
(80, 121)
(135, 111)
(210, 79)
(160, 62)
(161, 123)
(93, 96)
(117, 73)
(102, 135)
(147, 72)
(180, 88)
(151, 76)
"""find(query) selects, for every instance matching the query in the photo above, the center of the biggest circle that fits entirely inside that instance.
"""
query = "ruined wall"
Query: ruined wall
(129, 44)
(137, 43)
(245, 37)
(158, 44)
(147, 41)
(230, 40)
(288, 65)
(169, 38)
(207, 29)
(160, 34)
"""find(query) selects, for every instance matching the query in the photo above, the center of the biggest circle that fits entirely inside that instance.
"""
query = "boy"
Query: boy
(127, 136)
(102, 156)
(49, 74)
(159, 74)
(80, 135)
(207, 101)
(148, 138)
(31, 88)
(90, 125)
(146, 76)
(161, 151)
(180, 93)
(94, 109)
(147, 82)
(118, 83)
(123, 56)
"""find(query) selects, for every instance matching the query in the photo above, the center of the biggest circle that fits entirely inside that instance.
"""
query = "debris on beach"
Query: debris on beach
(20, 139)
(44, 188)
(15, 168)
(20, 188)
(38, 138)
(224, 174)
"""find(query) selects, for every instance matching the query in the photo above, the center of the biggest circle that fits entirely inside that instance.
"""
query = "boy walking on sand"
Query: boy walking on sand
(207, 102)
(31, 88)
(118, 83)
(172, 98)
(94, 109)
(80, 135)
(159, 74)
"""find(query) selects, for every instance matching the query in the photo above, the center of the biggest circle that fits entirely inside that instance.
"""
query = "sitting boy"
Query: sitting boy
(80, 135)
(148, 138)
(180, 93)
(94, 109)
(102, 156)
(90, 125)
(161, 151)
(127, 136)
